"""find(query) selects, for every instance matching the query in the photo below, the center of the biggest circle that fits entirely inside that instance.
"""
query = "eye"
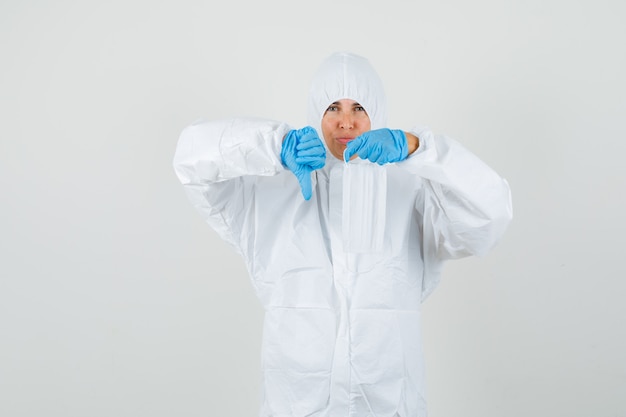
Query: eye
(359, 108)
(332, 107)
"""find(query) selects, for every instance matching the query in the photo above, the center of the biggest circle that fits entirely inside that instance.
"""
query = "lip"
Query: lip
(344, 141)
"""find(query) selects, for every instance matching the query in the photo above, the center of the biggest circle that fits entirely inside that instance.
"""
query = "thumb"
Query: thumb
(304, 178)
(353, 147)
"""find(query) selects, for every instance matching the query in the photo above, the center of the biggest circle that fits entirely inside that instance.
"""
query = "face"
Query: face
(343, 121)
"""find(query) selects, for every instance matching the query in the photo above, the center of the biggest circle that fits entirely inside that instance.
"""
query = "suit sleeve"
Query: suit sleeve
(465, 205)
(218, 163)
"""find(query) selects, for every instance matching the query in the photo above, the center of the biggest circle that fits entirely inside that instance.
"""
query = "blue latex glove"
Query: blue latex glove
(381, 146)
(303, 152)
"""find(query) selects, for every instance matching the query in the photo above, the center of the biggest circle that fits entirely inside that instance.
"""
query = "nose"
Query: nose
(346, 121)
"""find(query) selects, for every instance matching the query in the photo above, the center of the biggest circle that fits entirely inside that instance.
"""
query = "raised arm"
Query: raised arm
(219, 162)
(466, 206)
(215, 151)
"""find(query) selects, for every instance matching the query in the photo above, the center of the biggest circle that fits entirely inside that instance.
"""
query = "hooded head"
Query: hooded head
(346, 76)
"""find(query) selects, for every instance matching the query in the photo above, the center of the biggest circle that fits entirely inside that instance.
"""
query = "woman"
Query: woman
(341, 254)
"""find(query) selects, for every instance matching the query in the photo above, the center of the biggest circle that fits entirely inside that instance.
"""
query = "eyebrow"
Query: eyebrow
(336, 103)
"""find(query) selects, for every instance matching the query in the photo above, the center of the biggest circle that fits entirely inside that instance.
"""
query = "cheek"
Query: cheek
(325, 128)
(365, 125)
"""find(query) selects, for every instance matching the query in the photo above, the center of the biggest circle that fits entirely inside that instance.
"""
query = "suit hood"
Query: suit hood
(344, 75)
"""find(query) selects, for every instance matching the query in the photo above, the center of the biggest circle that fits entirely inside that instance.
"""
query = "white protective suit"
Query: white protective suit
(342, 276)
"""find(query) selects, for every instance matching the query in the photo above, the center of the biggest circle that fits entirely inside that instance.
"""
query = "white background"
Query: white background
(117, 300)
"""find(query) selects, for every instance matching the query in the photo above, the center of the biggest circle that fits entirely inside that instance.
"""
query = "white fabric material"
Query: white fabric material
(341, 334)
(344, 75)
